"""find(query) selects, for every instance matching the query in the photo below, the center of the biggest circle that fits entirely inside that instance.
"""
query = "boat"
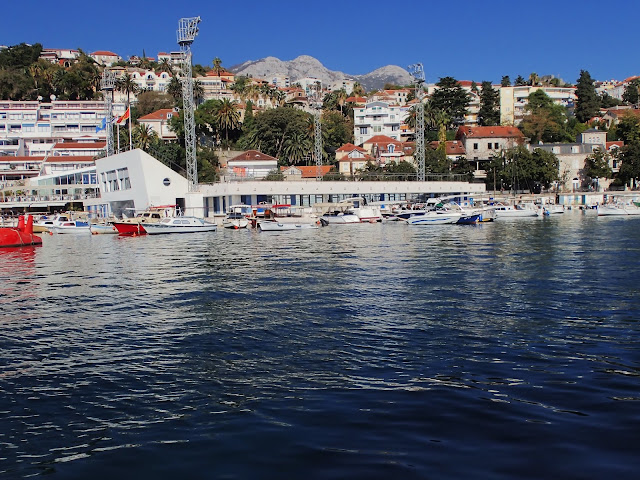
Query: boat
(106, 228)
(335, 213)
(179, 225)
(236, 217)
(610, 209)
(504, 210)
(135, 225)
(278, 226)
(64, 224)
(20, 236)
(43, 224)
(440, 215)
(365, 213)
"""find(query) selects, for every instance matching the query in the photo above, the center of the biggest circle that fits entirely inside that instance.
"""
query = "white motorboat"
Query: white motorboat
(64, 224)
(106, 228)
(503, 210)
(439, 216)
(366, 213)
(235, 219)
(179, 225)
(617, 209)
(278, 226)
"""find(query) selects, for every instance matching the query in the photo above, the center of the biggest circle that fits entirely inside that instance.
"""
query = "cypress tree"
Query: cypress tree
(588, 104)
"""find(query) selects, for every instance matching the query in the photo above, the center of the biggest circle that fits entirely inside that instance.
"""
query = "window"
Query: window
(475, 146)
(496, 146)
(377, 129)
(489, 145)
(363, 130)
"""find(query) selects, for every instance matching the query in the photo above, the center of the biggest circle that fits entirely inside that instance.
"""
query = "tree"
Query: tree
(125, 84)
(545, 121)
(597, 166)
(534, 79)
(630, 169)
(217, 66)
(628, 127)
(451, 98)
(588, 104)
(143, 136)
(227, 117)
(150, 101)
(436, 161)
(174, 89)
(630, 95)
(520, 81)
(506, 81)
(358, 90)
(489, 113)
(607, 101)
(297, 148)
(272, 127)
(520, 169)
(336, 131)
(402, 171)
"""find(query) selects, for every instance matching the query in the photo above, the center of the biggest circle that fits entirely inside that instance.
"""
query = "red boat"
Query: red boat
(20, 236)
(135, 225)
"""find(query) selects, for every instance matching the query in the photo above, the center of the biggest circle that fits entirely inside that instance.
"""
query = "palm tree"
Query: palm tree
(534, 79)
(227, 117)
(358, 90)
(175, 89)
(297, 147)
(165, 66)
(144, 135)
(341, 97)
(125, 84)
(217, 66)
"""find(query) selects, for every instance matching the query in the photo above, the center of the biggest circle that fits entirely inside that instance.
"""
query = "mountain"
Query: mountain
(306, 66)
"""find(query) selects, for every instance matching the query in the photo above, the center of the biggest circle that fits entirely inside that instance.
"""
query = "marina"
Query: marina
(172, 355)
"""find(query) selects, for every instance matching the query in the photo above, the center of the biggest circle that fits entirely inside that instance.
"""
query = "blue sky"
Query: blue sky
(469, 40)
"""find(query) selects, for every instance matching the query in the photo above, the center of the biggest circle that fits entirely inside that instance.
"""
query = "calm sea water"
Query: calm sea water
(499, 351)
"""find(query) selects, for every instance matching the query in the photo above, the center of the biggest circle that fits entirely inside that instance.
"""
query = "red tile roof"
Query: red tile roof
(489, 132)
(158, 114)
(252, 155)
(310, 171)
(452, 147)
(349, 147)
(8, 158)
(382, 140)
(79, 145)
(105, 53)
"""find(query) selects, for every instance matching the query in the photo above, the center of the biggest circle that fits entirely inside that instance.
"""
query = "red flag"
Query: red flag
(124, 117)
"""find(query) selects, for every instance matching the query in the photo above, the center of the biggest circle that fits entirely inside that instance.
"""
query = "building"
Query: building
(352, 158)
(481, 144)
(158, 121)
(513, 100)
(106, 58)
(251, 164)
(298, 172)
(149, 80)
(32, 128)
(384, 149)
(216, 85)
(378, 118)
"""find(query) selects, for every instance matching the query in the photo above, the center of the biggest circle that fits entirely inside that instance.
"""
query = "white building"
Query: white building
(513, 100)
(378, 118)
(106, 58)
(158, 121)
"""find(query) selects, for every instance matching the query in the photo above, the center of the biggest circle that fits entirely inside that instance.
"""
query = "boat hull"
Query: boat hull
(129, 228)
(166, 229)
(10, 237)
(270, 226)
(433, 219)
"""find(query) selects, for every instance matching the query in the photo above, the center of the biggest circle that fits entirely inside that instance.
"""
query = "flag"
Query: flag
(124, 117)
(102, 126)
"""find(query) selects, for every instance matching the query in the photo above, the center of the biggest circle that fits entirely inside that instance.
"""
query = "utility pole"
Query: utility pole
(107, 85)
(187, 31)
(417, 72)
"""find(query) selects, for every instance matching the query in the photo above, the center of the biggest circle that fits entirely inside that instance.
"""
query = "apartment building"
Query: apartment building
(378, 118)
(513, 100)
(482, 143)
(33, 128)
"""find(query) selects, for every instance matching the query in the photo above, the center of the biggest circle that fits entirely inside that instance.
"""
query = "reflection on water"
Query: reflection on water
(363, 351)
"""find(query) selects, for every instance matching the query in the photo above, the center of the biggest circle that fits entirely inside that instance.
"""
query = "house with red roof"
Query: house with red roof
(105, 57)
(304, 172)
(482, 143)
(454, 149)
(158, 121)
(352, 158)
(385, 149)
(251, 164)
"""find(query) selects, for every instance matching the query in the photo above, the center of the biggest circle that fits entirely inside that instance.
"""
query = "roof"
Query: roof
(309, 171)
(382, 140)
(349, 147)
(617, 143)
(489, 132)
(452, 147)
(105, 53)
(71, 159)
(80, 145)
(365, 158)
(9, 158)
(161, 114)
(252, 155)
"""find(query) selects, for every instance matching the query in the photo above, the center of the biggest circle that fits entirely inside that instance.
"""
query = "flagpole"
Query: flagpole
(130, 144)
(118, 137)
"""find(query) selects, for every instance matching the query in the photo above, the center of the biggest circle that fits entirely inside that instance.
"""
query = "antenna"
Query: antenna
(316, 104)
(417, 72)
(107, 85)
(187, 31)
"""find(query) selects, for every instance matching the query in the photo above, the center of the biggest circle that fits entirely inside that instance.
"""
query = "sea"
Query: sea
(505, 350)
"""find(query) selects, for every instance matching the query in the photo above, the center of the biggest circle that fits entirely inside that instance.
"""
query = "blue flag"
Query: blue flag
(102, 126)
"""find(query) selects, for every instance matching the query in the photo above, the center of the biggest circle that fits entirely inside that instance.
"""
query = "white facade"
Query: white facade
(514, 99)
(32, 128)
(148, 80)
(136, 180)
(378, 118)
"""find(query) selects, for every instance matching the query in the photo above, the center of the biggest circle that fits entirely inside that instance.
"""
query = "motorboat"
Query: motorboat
(503, 210)
(65, 224)
(237, 217)
(366, 213)
(278, 226)
(179, 225)
(610, 209)
(335, 213)
(106, 228)
(441, 215)
(135, 225)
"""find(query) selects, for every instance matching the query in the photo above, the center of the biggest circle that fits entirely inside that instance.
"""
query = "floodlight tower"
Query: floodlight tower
(316, 104)
(107, 85)
(417, 72)
(187, 31)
